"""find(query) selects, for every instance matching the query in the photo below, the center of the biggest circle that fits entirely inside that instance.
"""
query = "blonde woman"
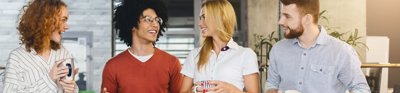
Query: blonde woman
(220, 65)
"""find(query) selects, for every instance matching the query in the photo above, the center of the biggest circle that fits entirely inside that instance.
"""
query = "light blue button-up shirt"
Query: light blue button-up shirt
(328, 66)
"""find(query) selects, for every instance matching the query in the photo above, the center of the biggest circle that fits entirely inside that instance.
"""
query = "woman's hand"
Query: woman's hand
(197, 87)
(223, 87)
(69, 86)
(57, 72)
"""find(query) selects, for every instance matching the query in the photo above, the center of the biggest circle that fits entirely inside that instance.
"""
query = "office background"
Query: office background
(90, 40)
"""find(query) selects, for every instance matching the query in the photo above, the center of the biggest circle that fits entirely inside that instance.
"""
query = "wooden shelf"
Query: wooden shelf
(376, 65)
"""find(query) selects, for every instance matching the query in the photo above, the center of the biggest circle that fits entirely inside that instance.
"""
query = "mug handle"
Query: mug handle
(195, 89)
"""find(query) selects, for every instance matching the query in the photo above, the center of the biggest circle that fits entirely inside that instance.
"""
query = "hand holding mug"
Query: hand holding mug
(223, 87)
(56, 71)
(202, 87)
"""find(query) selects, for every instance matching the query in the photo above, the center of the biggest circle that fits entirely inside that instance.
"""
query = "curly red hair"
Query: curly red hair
(40, 18)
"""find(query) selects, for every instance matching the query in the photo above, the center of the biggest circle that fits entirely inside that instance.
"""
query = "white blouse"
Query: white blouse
(230, 66)
(27, 72)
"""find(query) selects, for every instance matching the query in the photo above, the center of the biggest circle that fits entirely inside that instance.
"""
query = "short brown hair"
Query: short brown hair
(305, 7)
(40, 18)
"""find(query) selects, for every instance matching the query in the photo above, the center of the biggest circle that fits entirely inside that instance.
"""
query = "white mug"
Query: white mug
(204, 85)
(288, 91)
(69, 63)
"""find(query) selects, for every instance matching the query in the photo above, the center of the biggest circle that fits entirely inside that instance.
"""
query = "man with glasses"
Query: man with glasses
(142, 68)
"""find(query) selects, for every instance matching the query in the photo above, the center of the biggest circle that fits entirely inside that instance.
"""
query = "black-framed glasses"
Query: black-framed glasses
(150, 20)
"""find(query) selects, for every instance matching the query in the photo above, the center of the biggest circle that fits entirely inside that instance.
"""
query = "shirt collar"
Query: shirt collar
(232, 44)
(321, 39)
(323, 36)
(32, 50)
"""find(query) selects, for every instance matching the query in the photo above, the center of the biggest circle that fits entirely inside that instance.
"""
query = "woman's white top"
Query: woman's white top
(28, 72)
(230, 66)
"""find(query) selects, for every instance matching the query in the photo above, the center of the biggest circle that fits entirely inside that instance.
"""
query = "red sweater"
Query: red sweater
(126, 74)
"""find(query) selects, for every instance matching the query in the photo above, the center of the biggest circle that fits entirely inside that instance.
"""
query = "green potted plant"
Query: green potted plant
(353, 38)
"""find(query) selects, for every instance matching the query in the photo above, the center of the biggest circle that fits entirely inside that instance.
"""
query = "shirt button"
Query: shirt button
(302, 68)
(300, 83)
(304, 54)
(320, 70)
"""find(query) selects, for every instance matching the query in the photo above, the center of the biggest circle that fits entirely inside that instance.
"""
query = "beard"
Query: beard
(294, 33)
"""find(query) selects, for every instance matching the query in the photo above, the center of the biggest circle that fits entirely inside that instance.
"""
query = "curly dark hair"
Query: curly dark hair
(127, 16)
(40, 18)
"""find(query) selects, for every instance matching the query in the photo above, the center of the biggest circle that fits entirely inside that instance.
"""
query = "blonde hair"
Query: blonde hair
(221, 14)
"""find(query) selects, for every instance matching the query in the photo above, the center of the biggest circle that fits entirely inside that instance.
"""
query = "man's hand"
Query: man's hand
(272, 91)
(105, 90)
